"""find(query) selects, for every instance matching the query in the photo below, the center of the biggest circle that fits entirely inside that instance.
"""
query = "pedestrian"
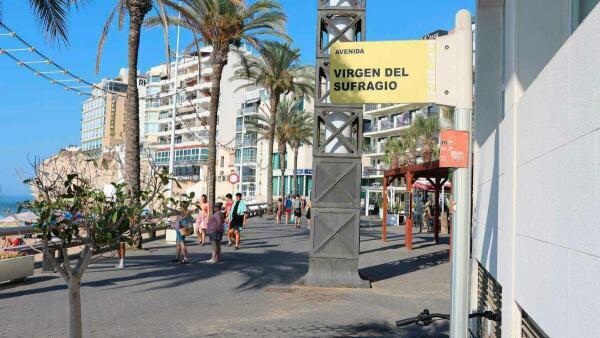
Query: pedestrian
(237, 220)
(12, 242)
(297, 205)
(288, 208)
(121, 250)
(279, 210)
(228, 207)
(307, 212)
(202, 220)
(182, 225)
(121, 253)
(215, 232)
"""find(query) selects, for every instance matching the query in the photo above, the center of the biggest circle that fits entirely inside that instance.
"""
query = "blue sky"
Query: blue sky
(37, 119)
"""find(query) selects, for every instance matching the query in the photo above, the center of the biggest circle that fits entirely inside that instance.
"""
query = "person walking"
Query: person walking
(215, 232)
(202, 220)
(279, 210)
(237, 220)
(288, 208)
(181, 224)
(428, 216)
(307, 212)
(297, 205)
(228, 207)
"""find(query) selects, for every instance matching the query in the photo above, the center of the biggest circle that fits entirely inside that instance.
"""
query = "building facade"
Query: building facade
(536, 181)
(382, 123)
(102, 117)
(252, 163)
(191, 128)
(103, 114)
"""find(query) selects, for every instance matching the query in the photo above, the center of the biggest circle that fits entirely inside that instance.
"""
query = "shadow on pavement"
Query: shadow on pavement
(30, 281)
(405, 266)
(366, 329)
(259, 270)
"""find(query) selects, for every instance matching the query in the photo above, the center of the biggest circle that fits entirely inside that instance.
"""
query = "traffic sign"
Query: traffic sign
(234, 178)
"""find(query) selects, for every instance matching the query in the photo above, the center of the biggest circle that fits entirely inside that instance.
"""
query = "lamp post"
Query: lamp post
(174, 114)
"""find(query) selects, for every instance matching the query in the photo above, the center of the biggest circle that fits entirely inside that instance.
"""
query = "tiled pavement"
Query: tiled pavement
(250, 294)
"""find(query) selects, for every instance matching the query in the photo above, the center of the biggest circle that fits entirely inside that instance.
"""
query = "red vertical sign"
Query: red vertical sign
(454, 148)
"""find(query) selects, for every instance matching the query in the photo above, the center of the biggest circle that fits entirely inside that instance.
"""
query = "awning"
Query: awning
(423, 184)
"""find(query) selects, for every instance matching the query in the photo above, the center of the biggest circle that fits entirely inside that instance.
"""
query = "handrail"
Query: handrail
(254, 209)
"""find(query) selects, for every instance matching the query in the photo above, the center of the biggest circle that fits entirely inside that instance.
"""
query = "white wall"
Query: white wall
(536, 222)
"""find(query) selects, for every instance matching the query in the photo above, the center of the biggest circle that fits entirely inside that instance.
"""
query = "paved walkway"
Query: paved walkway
(252, 293)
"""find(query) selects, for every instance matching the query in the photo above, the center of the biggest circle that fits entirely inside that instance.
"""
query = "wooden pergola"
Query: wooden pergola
(430, 171)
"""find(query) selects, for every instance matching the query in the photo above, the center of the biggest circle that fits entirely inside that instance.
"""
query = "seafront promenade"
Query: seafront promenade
(253, 292)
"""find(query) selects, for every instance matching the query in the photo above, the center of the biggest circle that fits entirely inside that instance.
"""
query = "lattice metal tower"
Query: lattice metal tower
(337, 150)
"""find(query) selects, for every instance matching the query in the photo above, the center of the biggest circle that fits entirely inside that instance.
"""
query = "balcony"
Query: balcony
(373, 171)
(247, 143)
(248, 110)
(376, 149)
(385, 124)
(390, 108)
(247, 159)
(389, 126)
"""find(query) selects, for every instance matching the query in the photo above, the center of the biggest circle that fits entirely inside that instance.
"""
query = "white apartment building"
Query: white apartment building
(246, 142)
(253, 162)
(191, 129)
(304, 183)
(536, 176)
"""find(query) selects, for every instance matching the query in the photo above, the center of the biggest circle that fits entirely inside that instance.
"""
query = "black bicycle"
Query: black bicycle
(426, 318)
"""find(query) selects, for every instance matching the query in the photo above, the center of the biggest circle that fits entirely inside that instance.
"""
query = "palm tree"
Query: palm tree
(225, 25)
(411, 141)
(52, 14)
(284, 131)
(424, 129)
(136, 10)
(278, 70)
(395, 152)
(302, 131)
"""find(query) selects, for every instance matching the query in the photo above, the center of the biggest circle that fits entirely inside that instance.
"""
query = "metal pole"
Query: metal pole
(461, 222)
(174, 116)
(242, 146)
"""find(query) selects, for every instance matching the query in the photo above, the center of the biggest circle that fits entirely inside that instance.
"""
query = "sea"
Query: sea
(9, 204)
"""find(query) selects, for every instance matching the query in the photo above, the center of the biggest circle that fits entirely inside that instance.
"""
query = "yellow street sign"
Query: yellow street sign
(383, 72)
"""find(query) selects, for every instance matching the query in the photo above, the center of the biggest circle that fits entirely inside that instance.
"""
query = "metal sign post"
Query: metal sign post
(439, 71)
(461, 181)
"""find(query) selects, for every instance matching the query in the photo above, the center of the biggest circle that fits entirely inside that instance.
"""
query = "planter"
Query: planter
(17, 268)
(392, 219)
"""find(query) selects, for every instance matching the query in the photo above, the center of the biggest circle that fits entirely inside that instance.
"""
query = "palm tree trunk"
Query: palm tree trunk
(273, 102)
(137, 12)
(295, 176)
(215, 93)
(282, 151)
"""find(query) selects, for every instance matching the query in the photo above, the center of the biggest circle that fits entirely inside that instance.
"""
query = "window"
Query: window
(580, 10)
(276, 181)
(222, 163)
(276, 164)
